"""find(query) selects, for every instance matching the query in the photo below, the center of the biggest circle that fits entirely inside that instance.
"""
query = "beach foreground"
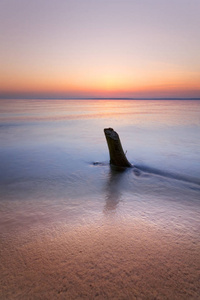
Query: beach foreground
(112, 260)
(72, 227)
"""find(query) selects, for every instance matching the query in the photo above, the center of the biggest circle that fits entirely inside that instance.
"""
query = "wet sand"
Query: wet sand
(126, 259)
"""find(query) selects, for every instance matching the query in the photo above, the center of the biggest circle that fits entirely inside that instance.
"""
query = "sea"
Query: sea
(107, 233)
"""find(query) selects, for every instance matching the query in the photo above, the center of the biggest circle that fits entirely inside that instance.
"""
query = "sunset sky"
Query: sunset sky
(100, 48)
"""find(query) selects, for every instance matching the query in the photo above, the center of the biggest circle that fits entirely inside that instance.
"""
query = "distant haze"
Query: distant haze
(105, 48)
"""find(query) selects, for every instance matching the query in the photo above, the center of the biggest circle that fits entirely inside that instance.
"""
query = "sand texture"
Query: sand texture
(127, 260)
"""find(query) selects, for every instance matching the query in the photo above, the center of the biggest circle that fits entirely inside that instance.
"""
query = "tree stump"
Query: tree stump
(117, 156)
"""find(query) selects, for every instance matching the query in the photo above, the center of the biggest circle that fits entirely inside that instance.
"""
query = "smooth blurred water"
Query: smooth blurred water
(48, 148)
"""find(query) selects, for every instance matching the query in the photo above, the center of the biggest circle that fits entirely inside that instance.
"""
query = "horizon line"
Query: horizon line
(100, 98)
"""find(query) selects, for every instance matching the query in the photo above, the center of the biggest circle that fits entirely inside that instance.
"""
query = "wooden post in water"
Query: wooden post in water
(117, 156)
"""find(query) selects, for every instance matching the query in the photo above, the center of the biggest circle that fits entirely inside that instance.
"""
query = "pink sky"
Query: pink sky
(107, 48)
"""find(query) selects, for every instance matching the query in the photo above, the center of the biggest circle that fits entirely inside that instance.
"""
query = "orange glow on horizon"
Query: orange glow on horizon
(104, 83)
(104, 89)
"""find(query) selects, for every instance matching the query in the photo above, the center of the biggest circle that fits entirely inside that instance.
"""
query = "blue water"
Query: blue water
(47, 154)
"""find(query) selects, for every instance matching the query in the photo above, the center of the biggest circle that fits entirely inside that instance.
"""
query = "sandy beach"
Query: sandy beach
(116, 260)
(74, 229)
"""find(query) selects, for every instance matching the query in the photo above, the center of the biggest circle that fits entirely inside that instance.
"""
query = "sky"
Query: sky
(100, 48)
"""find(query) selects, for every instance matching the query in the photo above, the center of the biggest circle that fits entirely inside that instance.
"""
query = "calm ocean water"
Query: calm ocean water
(48, 148)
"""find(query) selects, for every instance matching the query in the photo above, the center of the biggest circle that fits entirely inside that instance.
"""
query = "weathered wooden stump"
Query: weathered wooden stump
(117, 156)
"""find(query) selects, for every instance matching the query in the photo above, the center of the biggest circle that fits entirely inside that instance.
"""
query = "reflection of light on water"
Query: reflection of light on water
(165, 113)
(44, 160)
